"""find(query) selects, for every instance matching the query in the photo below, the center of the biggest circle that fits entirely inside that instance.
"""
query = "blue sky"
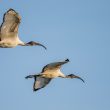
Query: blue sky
(74, 29)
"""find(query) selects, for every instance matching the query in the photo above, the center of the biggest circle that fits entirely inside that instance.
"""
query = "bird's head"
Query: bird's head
(32, 43)
(74, 76)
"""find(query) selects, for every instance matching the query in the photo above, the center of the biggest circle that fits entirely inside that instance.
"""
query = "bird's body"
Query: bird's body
(49, 72)
(7, 41)
(53, 74)
(9, 31)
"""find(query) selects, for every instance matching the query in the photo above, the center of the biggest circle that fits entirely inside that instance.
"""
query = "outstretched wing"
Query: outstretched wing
(40, 82)
(55, 65)
(11, 22)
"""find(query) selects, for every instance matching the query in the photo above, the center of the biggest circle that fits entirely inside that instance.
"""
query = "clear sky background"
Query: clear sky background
(74, 29)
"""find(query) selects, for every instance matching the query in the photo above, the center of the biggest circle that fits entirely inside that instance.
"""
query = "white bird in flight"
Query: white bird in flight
(49, 72)
(9, 31)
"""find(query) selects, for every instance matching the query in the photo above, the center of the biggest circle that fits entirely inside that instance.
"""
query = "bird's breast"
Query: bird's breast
(7, 44)
(51, 74)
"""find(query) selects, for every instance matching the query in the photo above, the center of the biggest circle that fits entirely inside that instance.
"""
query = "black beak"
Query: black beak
(32, 43)
(74, 76)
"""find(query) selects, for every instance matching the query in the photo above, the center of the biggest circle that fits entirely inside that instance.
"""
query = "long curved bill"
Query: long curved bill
(74, 76)
(32, 43)
(42, 46)
(80, 78)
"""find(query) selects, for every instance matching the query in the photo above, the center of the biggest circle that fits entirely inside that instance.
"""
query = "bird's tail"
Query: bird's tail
(30, 76)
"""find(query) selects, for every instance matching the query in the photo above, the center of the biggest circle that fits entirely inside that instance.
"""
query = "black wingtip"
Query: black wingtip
(34, 90)
(67, 60)
(26, 77)
(11, 10)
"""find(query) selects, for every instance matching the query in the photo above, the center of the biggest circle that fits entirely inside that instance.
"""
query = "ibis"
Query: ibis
(49, 72)
(9, 31)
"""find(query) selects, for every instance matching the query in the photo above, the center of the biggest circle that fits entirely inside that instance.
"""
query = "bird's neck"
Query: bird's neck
(21, 43)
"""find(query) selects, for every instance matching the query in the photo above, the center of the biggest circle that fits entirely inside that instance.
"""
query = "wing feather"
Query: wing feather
(40, 82)
(55, 65)
(11, 21)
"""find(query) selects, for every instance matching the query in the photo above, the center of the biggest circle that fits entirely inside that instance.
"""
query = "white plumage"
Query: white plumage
(9, 31)
(49, 72)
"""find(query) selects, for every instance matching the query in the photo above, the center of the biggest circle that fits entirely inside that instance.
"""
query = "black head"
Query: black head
(32, 43)
(74, 76)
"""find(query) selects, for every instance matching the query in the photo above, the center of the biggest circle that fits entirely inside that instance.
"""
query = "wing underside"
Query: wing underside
(11, 22)
(40, 82)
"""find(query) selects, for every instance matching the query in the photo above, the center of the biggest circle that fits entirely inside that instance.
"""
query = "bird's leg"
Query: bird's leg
(32, 43)
(74, 76)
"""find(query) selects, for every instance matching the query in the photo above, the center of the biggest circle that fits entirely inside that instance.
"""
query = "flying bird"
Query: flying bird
(9, 31)
(49, 72)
